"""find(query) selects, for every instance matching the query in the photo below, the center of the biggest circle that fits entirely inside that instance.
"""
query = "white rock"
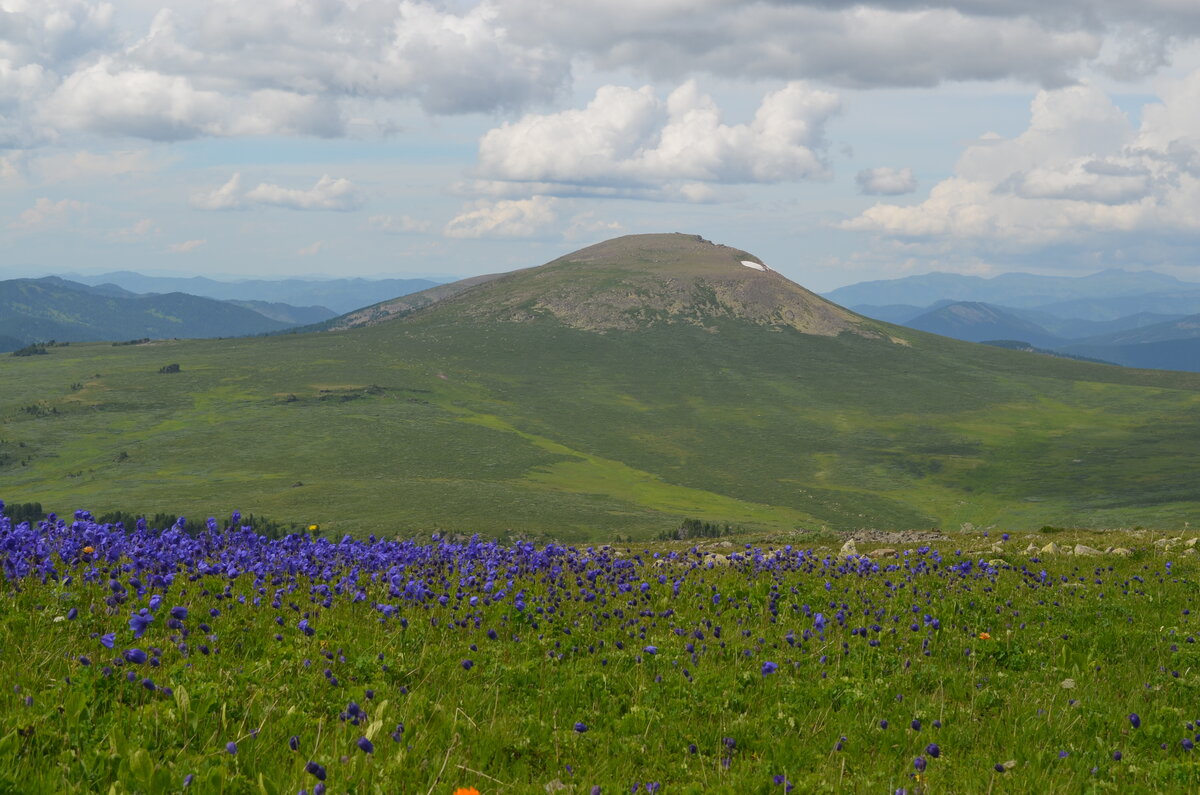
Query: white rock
(849, 548)
(1122, 552)
(1052, 549)
(1083, 550)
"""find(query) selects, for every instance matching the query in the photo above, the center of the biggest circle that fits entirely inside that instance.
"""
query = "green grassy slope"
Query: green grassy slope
(435, 422)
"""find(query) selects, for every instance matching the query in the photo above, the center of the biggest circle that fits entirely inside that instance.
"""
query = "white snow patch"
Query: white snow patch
(758, 266)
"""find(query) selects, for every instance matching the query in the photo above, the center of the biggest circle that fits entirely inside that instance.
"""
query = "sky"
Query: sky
(837, 141)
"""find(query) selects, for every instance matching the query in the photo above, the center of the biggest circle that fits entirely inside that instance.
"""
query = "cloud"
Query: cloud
(327, 194)
(630, 139)
(507, 218)
(310, 250)
(115, 99)
(47, 213)
(185, 247)
(70, 166)
(857, 44)
(226, 197)
(398, 224)
(300, 68)
(886, 181)
(1080, 171)
(136, 231)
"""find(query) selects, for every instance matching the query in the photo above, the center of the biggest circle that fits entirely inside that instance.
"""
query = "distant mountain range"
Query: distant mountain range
(50, 308)
(340, 295)
(1132, 318)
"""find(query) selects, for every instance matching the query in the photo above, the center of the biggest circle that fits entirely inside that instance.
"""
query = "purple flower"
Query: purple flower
(140, 622)
(1134, 720)
(231, 747)
(1116, 756)
(916, 725)
(366, 745)
(315, 769)
(769, 667)
(467, 664)
(179, 613)
(581, 727)
(651, 650)
(883, 724)
(108, 639)
(72, 613)
(1187, 744)
(294, 743)
(1000, 768)
(135, 656)
(933, 750)
(919, 764)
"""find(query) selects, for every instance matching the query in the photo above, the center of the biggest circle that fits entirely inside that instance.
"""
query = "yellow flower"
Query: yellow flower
(88, 550)
(312, 528)
(984, 636)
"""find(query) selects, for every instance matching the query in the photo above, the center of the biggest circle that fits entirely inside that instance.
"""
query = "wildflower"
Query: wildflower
(72, 613)
(135, 656)
(883, 724)
(933, 750)
(984, 636)
(581, 727)
(769, 667)
(916, 725)
(651, 650)
(139, 622)
(1187, 744)
(179, 613)
(231, 747)
(1116, 756)
(315, 769)
(108, 639)
(366, 745)
(467, 664)
(1134, 720)
(466, 791)
(919, 764)
(89, 549)
(294, 742)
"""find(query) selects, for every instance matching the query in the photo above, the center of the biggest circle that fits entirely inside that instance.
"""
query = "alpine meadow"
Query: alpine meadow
(612, 392)
(677, 451)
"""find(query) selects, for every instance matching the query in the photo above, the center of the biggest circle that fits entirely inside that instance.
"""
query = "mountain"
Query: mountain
(36, 310)
(611, 393)
(1171, 345)
(1178, 303)
(340, 295)
(1069, 328)
(979, 322)
(286, 313)
(1021, 290)
(634, 282)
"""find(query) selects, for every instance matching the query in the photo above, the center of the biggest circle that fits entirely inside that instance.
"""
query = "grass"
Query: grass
(536, 429)
(1073, 646)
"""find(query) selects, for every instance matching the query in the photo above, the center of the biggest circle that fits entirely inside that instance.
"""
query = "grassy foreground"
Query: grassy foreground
(218, 661)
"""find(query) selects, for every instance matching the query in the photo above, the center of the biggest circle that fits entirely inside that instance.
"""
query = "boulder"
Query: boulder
(849, 548)
(1122, 552)
(882, 553)
(1083, 550)
(1052, 549)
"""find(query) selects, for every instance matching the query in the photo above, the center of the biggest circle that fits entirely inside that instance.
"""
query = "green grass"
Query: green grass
(506, 725)
(539, 429)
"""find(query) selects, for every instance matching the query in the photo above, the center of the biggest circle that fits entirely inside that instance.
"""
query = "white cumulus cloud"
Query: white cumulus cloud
(327, 194)
(505, 218)
(186, 246)
(885, 181)
(629, 138)
(1080, 169)
(47, 213)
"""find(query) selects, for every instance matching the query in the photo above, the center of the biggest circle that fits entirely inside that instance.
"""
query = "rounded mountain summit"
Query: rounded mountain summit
(629, 283)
